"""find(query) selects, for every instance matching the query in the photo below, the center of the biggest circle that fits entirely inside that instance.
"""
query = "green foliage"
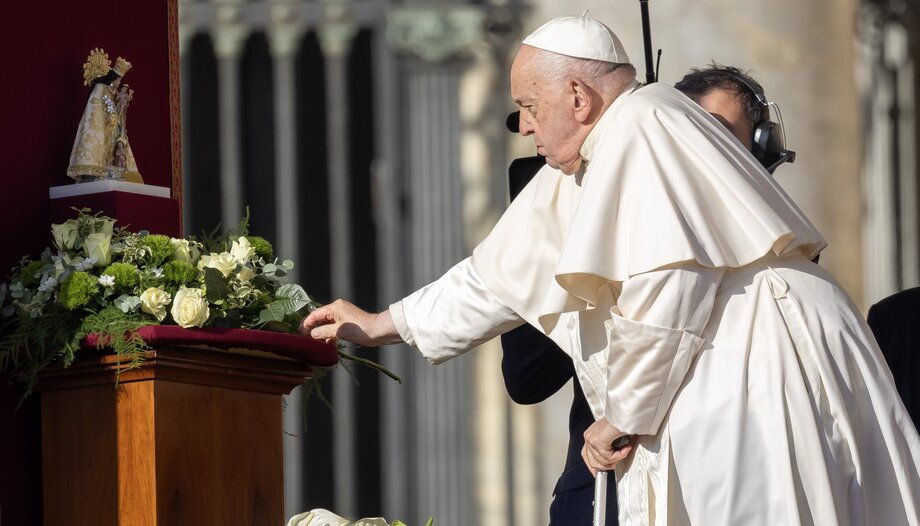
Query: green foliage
(217, 288)
(179, 273)
(125, 275)
(30, 273)
(118, 330)
(28, 345)
(160, 248)
(78, 290)
(262, 247)
(214, 242)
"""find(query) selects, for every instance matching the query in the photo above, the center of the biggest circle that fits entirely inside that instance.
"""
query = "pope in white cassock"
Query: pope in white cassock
(664, 259)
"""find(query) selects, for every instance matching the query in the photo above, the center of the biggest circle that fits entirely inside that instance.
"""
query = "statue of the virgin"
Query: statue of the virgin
(101, 149)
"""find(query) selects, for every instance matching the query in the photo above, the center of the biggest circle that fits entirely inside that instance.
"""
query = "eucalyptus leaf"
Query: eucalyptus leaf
(127, 304)
(287, 264)
(292, 297)
(273, 312)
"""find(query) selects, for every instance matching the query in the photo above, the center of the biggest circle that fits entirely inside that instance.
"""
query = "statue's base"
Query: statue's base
(133, 205)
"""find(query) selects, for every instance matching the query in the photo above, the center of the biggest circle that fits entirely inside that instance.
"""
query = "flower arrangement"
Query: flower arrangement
(106, 280)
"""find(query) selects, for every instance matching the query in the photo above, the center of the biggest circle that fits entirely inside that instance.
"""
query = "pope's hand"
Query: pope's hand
(340, 320)
(598, 451)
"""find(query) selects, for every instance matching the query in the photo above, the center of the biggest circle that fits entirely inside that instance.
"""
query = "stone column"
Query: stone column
(284, 34)
(441, 429)
(886, 77)
(229, 34)
(335, 37)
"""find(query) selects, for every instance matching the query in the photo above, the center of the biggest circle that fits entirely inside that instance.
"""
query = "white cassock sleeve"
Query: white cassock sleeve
(654, 336)
(452, 315)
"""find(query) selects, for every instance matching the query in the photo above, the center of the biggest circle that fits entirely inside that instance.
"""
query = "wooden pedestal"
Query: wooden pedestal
(191, 438)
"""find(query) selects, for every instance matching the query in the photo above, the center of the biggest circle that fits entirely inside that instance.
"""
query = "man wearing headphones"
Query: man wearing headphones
(737, 101)
(534, 368)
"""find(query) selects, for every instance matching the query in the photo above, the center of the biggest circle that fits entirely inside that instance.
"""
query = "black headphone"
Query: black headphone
(769, 145)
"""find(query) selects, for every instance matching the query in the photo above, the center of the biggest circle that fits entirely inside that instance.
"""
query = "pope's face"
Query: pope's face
(546, 113)
(726, 106)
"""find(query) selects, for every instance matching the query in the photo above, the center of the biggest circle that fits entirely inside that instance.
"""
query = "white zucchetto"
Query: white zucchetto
(579, 37)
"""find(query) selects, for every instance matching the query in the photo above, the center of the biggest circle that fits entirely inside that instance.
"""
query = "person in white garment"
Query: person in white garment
(664, 259)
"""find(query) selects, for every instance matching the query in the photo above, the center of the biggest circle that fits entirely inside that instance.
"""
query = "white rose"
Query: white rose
(190, 308)
(154, 301)
(242, 251)
(65, 235)
(99, 247)
(204, 261)
(182, 251)
(223, 262)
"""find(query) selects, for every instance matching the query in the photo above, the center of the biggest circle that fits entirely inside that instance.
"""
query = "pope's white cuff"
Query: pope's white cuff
(646, 367)
(399, 320)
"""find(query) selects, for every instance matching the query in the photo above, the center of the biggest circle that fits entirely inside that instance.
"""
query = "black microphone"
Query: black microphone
(784, 156)
(513, 122)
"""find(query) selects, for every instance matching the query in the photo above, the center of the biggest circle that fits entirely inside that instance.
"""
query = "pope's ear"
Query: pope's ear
(581, 100)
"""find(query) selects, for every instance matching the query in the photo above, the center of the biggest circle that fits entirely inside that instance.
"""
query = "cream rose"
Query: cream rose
(190, 308)
(154, 301)
(223, 262)
(65, 235)
(99, 247)
(184, 251)
(242, 251)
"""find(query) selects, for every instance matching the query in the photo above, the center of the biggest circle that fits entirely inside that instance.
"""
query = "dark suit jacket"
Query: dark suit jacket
(895, 321)
(535, 368)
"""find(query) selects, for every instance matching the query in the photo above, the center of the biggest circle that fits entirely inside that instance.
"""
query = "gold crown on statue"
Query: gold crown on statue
(97, 65)
(121, 66)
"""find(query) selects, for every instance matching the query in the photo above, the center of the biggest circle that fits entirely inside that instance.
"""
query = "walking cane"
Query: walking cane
(600, 498)
(600, 487)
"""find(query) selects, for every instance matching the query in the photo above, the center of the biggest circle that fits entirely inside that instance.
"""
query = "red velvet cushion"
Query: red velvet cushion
(302, 348)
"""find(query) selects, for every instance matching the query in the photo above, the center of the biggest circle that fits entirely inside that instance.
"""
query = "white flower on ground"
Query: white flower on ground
(48, 283)
(107, 281)
(190, 308)
(242, 251)
(99, 247)
(154, 301)
(65, 235)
